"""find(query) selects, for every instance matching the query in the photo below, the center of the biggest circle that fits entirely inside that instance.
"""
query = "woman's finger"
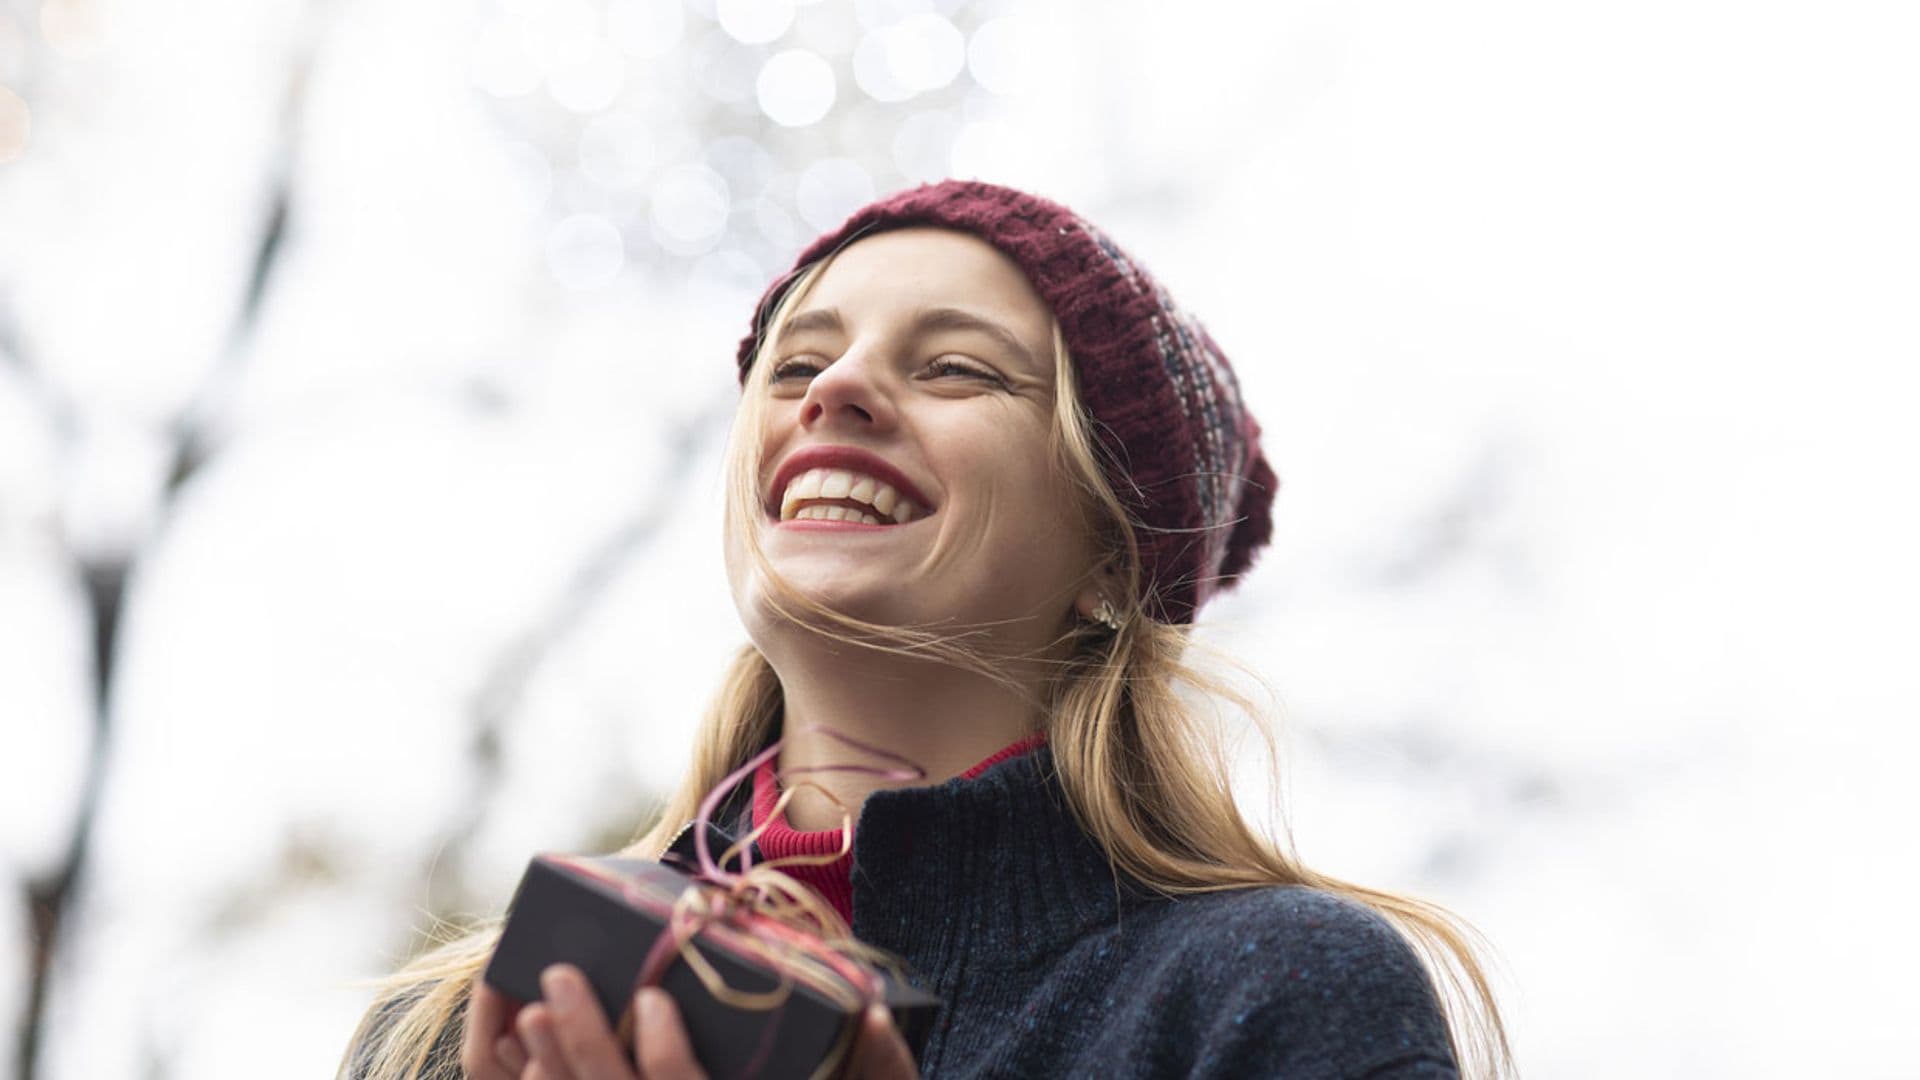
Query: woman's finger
(535, 1025)
(512, 1053)
(880, 1053)
(660, 1039)
(490, 1014)
(580, 1027)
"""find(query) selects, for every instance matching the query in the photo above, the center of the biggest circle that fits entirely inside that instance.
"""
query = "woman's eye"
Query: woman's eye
(954, 365)
(794, 367)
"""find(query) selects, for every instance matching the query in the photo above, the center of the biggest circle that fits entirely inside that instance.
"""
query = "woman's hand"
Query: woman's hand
(490, 1050)
(565, 1036)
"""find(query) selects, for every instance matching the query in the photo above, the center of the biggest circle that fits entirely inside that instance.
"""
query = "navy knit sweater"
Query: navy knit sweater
(1008, 910)
(1050, 967)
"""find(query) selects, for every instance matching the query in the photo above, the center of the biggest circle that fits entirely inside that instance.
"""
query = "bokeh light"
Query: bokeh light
(873, 69)
(742, 162)
(617, 150)
(831, 189)
(984, 148)
(552, 21)
(725, 69)
(777, 226)
(690, 208)
(993, 55)
(795, 88)
(587, 74)
(925, 52)
(754, 22)
(885, 14)
(645, 29)
(584, 251)
(713, 84)
(828, 29)
(923, 147)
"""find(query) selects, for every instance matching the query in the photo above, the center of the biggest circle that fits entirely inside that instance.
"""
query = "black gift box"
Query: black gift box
(564, 913)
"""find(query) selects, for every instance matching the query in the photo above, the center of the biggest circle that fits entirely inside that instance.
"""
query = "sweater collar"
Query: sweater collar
(993, 866)
(833, 880)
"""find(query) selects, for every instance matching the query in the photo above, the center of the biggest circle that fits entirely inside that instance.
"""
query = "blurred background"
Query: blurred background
(364, 368)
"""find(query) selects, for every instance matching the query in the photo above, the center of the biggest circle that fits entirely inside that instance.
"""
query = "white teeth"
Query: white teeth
(806, 485)
(844, 484)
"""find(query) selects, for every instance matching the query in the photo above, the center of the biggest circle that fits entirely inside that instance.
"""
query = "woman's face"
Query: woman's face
(906, 476)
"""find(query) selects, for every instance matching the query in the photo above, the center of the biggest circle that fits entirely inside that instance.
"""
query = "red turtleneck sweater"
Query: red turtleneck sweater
(834, 880)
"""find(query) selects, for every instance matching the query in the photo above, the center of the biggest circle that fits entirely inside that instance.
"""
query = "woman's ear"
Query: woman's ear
(1100, 599)
(1089, 600)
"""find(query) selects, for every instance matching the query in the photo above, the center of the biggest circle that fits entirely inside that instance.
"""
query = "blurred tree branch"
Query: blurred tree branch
(501, 691)
(103, 575)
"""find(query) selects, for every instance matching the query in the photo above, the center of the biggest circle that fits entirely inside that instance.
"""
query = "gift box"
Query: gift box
(603, 915)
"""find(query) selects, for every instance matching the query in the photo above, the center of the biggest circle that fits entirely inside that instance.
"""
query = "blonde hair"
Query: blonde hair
(1145, 773)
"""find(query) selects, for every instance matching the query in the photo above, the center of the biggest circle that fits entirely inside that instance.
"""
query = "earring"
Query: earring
(1104, 614)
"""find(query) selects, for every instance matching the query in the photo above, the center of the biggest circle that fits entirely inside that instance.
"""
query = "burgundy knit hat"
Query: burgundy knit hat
(1181, 449)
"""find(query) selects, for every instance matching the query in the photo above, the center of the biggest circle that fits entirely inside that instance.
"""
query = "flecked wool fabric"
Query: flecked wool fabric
(1181, 448)
(1051, 966)
(832, 880)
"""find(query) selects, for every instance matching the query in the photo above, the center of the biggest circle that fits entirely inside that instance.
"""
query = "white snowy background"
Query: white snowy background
(364, 366)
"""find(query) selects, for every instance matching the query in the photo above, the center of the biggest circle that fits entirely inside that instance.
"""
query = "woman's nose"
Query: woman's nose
(851, 391)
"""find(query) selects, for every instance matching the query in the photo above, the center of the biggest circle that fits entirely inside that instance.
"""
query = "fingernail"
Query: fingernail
(558, 988)
(648, 1002)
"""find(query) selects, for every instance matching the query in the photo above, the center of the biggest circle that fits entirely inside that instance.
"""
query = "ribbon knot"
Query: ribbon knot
(762, 913)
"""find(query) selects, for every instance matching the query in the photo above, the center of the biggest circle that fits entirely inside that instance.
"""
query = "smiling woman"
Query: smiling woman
(912, 362)
(984, 474)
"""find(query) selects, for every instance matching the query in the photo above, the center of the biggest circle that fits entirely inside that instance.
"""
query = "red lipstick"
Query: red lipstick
(851, 458)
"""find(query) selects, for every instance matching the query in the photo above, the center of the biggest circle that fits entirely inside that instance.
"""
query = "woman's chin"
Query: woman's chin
(871, 603)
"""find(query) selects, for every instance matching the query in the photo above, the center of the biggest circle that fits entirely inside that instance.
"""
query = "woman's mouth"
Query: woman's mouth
(845, 495)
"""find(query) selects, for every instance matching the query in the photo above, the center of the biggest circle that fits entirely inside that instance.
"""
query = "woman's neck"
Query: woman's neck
(943, 719)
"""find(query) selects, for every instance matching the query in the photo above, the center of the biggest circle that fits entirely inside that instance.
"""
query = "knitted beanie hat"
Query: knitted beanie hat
(1181, 449)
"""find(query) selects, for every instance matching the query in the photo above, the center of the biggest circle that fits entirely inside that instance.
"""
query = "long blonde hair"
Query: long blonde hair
(1145, 772)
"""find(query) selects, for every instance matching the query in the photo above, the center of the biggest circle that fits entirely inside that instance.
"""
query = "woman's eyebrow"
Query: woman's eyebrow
(950, 318)
(926, 320)
(814, 319)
